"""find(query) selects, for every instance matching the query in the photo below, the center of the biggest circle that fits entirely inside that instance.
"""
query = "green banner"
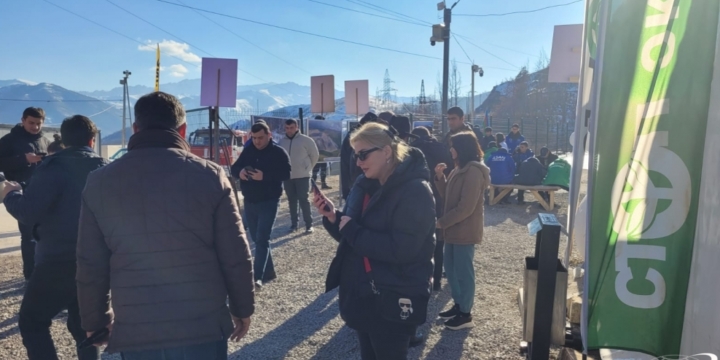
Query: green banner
(652, 115)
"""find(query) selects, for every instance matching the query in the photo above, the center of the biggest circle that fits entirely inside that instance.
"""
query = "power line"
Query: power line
(136, 41)
(499, 46)
(367, 13)
(157, 27)
(520, 12)
(302, 32)
(463, 49)
(386, 11)
(248, 41)
(59, 100)
(489, 53)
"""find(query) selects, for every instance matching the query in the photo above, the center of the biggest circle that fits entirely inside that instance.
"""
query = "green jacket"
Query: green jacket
(489, 153)
(558, 174)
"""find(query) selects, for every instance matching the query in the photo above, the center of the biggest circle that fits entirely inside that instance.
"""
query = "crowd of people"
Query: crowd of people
(149, 255)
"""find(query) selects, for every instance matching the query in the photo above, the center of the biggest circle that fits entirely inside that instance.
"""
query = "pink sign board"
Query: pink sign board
(219, 82)
(357, 97)
(322, 94)
(565, 55)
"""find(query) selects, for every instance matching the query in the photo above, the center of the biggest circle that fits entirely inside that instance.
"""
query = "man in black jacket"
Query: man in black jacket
(21, 151)
(262, 167)
(53, 203)
(487, 139)
(531, 173)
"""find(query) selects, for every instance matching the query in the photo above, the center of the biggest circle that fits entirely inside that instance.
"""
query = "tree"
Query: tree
(455, 84)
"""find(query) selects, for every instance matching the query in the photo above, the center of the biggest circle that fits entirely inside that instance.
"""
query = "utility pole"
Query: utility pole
(479, 70)
(126, 99)
(442, 33)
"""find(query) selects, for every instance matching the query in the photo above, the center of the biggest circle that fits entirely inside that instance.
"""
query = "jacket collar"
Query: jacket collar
(157, 138)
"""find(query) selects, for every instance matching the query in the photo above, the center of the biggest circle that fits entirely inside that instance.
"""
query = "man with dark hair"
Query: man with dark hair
(456, 123)
(514, 138)
(402, 125)
(521, 154)
(487, 139)
(53, 204)
(531, 173)
(386, 116)
(262, 167)
(163, 224)
(21, 151)
(303, 153)
(435, 153)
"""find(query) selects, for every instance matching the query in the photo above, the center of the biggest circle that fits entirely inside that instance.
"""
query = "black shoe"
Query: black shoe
(258, 285)
(418, 339)
(309, 230)
(454, 311)
(292, 229)
(326, 187)
(459, 322)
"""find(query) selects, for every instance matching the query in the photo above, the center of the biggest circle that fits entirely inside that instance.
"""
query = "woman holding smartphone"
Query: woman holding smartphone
(462, 223)
(386, 236)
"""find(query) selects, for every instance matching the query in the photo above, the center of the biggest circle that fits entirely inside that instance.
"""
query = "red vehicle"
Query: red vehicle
(200, 145)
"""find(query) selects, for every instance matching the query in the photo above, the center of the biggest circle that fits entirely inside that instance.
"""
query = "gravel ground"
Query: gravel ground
(294, 319)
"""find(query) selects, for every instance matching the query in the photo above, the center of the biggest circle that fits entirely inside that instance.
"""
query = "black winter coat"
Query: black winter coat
(13, 148)
(349, 171)
(546, 161)
(273, 161)
(53, 202)
(396, 232)
(435, 153)
(531, 173)
(485, 142)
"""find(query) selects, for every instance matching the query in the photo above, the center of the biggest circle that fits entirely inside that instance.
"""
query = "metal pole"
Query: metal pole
(216, 123)
(123, 82)
(472, 95)
(446, 68)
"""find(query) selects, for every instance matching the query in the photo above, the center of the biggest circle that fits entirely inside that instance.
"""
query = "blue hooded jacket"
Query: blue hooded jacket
(513, 141)
(502, 168)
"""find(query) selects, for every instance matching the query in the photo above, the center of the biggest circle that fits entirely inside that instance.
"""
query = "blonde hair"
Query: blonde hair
(379, 135)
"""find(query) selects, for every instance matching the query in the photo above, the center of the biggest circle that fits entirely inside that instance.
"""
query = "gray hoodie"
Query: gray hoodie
(303, 154)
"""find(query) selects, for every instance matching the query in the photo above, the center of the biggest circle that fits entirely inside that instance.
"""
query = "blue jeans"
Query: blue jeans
(216, 350)
(261, 218)
(460, 273)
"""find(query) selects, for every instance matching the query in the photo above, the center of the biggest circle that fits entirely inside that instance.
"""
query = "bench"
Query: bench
(535, 190)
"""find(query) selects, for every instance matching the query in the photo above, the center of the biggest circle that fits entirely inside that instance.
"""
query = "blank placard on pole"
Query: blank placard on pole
(565, 55)
(218, 90)
(322, 94)
(357, 97)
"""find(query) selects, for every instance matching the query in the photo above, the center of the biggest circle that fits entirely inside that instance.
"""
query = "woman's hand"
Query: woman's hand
(344, 220)
(440, 170)
(320, 203)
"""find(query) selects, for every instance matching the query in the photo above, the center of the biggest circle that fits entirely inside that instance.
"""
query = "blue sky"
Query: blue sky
(42, 43)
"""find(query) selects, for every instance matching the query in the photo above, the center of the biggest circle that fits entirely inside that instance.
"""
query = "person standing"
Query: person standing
(456, 123)
(349, 171)
(53, 204)
(435, 153)
(514, 139)
(487, 139)
(303, 153)
(21, 152)
(462, 223)
(160, 230)
(262, 167)
(386, 236)
(321, 167)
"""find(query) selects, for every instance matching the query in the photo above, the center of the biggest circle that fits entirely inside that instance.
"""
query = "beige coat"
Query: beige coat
(463, 193)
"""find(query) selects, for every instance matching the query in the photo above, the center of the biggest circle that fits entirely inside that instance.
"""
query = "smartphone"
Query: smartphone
(41, 154)
(317, 191)
(95, 338)
(249, 170)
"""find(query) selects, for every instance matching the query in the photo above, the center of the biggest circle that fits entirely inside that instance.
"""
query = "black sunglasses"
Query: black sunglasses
(363, 154)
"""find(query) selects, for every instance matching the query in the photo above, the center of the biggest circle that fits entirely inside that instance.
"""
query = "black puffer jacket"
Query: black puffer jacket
(349, 171)
(435, 153)
(53, 202)
(396, 232)
(532, 172)
(13, 148)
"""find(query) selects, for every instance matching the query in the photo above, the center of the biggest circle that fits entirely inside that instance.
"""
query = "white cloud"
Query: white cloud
(172, 48)
(178, 70)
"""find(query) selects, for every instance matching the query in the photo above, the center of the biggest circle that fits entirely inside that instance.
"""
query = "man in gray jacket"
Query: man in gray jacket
(163, 224)
(304, 155)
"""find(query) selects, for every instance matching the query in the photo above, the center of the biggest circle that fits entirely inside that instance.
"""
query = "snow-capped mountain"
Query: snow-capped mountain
(58, 104)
